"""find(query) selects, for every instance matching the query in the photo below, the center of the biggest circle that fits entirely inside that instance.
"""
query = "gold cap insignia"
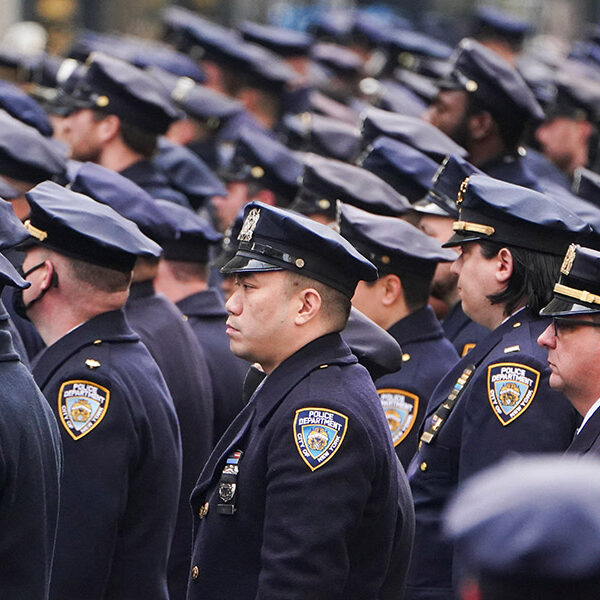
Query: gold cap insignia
(568, 261)
(257, 172)
(92, 364)
(461, 191)
(249, 225)
(102, 101)
(34, 231)
(471, 86)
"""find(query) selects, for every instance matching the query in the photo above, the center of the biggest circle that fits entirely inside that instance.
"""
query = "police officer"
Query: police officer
(572, 344)
(437, 212)
(406, 259)
(31, 461)
(119, 428)
(305, 484)
(485, 105)
(554, 500)
(497, 399)
(170, 341)
(182, 277)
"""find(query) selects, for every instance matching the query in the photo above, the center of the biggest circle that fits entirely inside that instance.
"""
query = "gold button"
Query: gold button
(102, 101)
(324, 204)
(423, 466)
(257, 172)
(203, 510)
(97, 342)
(471, 86)
(299, 263)
(405, 357)
(185, 317)
(385, 259)
(517, 324)
(195, 572)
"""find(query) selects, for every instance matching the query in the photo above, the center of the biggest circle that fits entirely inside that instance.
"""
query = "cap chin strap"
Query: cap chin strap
(580, 295)
(474, 227)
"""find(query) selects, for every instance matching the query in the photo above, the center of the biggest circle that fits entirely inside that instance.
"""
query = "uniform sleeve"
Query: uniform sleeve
(312, 507)
(511, 408)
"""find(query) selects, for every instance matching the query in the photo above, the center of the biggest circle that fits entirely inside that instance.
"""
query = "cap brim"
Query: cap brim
(241, 263)
(560, 306)
(458, 238)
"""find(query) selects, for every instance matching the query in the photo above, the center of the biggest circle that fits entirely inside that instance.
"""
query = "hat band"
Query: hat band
(475, 227)
(580, 295)
(34, 231)
(271, 252)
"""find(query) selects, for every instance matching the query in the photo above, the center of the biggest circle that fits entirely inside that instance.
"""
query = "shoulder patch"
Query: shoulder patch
(318, 434)
(511, 388)
(400, 408)
(81, 406)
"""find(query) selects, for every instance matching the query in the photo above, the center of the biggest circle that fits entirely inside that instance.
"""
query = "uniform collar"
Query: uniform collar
(326, 350)
(419, 326)
(7, 350)
(141, 289)
(589, 415)
(208, 303)
(107, 327)
(587, 435)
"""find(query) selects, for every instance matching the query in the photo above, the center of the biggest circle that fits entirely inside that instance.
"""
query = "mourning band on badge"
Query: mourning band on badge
(445, 409)
(401, 409)
(81, 406)
(511, 389)
(318, 434)
(227, 489)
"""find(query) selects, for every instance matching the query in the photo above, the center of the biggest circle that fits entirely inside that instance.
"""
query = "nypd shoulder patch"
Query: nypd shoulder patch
(81, 406)
(318, 434)
(400, 408)
(511, 388)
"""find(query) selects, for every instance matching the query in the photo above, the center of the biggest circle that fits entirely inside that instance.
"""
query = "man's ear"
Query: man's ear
(392, 289)
(309, 305)
(108, 128)
(50, 277)
(480, 125)
(505, 263)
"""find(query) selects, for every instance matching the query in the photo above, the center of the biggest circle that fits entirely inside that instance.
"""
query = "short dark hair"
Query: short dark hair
(502, 588)
(336, 305)
(140, 141)
(510, 130)
(101, 278)
(185, 271)
(415, 286)
(533, 277)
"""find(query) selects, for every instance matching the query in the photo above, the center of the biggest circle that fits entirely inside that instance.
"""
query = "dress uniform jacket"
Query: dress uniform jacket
(505, 406)
(151, 179)
(181, 360)
(206, 315)
(321, 510)
(463, 332)
(122, 462)
(30, 470)
(588, 439)
(427, 357)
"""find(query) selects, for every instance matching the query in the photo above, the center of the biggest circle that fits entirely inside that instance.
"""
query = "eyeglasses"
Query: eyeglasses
(567, 324)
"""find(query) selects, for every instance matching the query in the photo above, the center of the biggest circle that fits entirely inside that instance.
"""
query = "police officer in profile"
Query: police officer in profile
(497, 399)
(572, 342)
(303, 496)
(406, 259)
(122, 448)
(529, 529)
(31, 465)
(485, 106)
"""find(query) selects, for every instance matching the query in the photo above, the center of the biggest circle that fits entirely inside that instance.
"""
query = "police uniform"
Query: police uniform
(497, 399)
(306, 474)
(398, 248)
(119, 428)
(440, 201)
(31, 468)
(575, 294)
(170, 341)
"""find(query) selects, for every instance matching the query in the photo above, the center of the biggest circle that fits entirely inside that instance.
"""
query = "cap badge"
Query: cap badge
(249, 225)
(461, 191)
(568, 261)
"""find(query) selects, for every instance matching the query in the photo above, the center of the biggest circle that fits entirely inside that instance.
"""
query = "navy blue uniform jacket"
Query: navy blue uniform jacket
(462, 331)
(427, 357)
(30, 469)
(340, 531)
(181, 360)
(506, 406)
(206, 314)
(588, 439)
(122, 463)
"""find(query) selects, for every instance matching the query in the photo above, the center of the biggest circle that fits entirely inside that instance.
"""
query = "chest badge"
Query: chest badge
(511, 389)
(318, 433)
(81, 406)
(400, 408)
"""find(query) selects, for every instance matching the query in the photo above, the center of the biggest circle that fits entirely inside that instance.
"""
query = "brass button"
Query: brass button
(203, 510)
(423, 466)
(517, 324)
(97, 342)
(405, 357)
(195, 572)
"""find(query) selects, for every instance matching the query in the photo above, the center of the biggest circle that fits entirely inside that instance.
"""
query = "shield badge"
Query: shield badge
(81, 406)
(511, 388)
(401, 409)
(318, 434)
